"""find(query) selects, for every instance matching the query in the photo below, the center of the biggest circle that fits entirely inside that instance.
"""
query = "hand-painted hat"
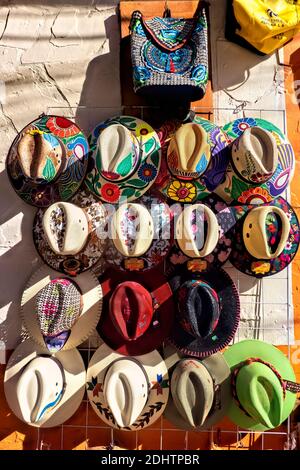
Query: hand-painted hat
(201, 243)
(262, 384)
(70, 236)
(195, 159)
(138, 311)
(43, 390)
(261, 162)
(48, 160)
(128, 393)
(266, 238)
(142, 234)
(59, 312)
(125, 159)
(208, 312)
(199, 390)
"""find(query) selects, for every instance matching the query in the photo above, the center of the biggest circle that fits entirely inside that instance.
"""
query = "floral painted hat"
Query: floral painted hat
(145, 225)
(48, 160)
(261, 162)
(185, 179)
(125, 159)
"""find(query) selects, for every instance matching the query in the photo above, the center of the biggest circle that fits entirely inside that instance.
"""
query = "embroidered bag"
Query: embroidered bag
(170, 56)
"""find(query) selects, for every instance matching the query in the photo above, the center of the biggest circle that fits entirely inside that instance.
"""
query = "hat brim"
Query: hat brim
(157, 374)
(169, 185)
(142, 179)
(74, 373)
(93, 250)
(220, 372)
(244, 350)
(161, 243)
(233, 188)
(91, 306)
(229, 317)
(222, 251)
(67, 183)
(247, 264)
(156, 283)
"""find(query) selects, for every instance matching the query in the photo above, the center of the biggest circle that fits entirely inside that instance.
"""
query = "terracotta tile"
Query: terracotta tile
(93, 418)
(50, 439)
(174, 440)
(199, 440)
(149, 439)
(126, 439)
(98, 437)
(79, 417)
(74, 438)
(274, 441)
(167, 424)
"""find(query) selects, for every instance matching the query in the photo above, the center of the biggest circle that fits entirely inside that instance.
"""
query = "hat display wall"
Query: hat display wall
(142, 234)
(195, 159)
(259, 170)
(201, 243)
(128, 393)
(263, 388)
(58, 312)
(266, 238)
(138, 311)
(48, 160)
(200, 391)
(70, 236)
(125, 159)
(208, 312)
(43, 390)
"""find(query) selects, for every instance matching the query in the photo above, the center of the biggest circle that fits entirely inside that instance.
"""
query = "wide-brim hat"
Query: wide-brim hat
(158, 386)
(140, 177)
(91, 295)
(162, 238)
(248, 264)
(228, 316)
(74, 373)
(243, 351)
(234, 188)
(220, 373)
(94, 248)
(220, 253)
(61, 153)
(157, 285)
(191, 190)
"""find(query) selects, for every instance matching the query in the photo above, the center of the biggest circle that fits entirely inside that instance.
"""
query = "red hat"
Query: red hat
(138, 311)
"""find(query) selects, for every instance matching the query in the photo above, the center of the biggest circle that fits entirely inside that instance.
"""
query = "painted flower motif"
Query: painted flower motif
(110, 192)
(260, 267)
(143, 129)
(179, 258)
(288, 246)
(183, 192)
(240, 125)
(41, 197)
(199, 73)
(147, 172)
(255, 196)
(61, 126)
(141, 74)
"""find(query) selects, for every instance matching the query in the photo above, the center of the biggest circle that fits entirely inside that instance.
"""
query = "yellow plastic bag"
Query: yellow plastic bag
(267, 24)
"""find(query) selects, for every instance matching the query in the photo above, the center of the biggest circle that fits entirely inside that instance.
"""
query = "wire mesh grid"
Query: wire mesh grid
(225, 435)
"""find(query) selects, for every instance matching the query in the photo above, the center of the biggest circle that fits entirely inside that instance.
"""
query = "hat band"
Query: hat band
(286, 385)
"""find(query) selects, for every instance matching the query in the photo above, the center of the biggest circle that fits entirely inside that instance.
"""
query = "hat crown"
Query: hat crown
(199, 308)
(265, 232)
(126, 390)
(189, 151)
(58, 306)
(132, 229)
(260, 393)
(118, 151)
(39, 388)
(192, 389)
(255, 155)
(131, 310)
(66, 228)
(40, 155)
(197, 231)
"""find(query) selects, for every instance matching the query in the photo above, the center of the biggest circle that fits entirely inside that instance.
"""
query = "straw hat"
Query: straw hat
(58, 311)
(263, 388)
(200, 392)
(262, 162)
(48, 160)
(125, 159)
(43, 390)
(70, 236)
(128, 393)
